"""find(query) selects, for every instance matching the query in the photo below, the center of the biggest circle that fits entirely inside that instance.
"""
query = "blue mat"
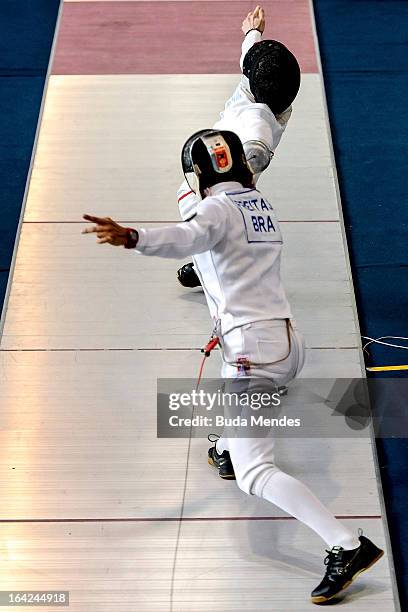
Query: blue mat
(27, 30)
(26, 34)
(3, 284)
(20, 98)
(365, 63)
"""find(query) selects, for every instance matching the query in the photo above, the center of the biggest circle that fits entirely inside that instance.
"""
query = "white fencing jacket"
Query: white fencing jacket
(237, 243)
(247, 118)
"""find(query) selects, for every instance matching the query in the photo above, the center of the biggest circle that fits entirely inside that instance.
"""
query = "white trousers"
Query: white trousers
(275, 353)
(276, 348)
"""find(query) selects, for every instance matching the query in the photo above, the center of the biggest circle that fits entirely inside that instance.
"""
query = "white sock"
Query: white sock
(221, 445)
(294, 497)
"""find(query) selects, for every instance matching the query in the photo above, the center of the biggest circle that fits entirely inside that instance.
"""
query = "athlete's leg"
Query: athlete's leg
(253, 457)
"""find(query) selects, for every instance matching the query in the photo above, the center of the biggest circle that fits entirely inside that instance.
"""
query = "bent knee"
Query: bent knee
(253, 481)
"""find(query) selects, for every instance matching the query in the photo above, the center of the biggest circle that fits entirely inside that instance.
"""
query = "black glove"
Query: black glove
(188, 277)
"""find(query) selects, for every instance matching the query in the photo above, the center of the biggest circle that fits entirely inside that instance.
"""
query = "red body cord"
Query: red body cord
(207, 352)
(201, 371)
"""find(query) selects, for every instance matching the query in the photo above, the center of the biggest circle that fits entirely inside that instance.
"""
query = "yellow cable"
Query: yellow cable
(387, 368)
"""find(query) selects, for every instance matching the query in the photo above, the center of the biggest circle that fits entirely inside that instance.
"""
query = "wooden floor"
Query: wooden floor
(91, 497)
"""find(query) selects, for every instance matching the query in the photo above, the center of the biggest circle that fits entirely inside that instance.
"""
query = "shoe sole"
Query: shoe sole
(211, 462)
(322, 599)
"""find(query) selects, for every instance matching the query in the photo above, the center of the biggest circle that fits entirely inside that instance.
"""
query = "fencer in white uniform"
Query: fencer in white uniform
(254, 123)
(237, 243)
(259, 129)
(258, 110)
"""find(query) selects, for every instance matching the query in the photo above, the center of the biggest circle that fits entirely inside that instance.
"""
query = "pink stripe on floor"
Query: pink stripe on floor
(117, 37)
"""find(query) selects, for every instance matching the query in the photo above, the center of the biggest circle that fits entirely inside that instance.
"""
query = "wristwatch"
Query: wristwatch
(132, 238)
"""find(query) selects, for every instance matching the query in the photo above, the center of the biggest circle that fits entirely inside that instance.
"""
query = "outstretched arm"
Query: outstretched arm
(173, 241)
(253, 27)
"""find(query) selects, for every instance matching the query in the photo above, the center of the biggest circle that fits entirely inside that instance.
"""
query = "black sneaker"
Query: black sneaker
(222, 462)
(187, 276)
(343, 566)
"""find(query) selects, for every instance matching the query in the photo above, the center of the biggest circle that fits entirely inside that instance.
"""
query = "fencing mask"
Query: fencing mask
(273, 73)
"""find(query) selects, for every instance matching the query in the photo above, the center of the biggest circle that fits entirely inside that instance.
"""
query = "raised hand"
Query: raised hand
(254, 20)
